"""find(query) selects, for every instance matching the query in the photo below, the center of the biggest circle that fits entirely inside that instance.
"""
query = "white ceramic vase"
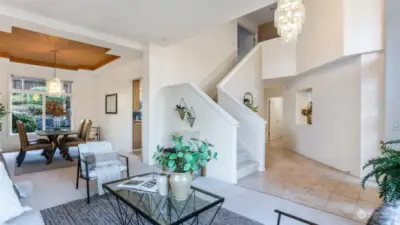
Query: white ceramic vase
(180, 185)
(162, 184)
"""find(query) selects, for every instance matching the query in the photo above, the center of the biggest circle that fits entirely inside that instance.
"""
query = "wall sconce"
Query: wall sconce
(181, 108)
(191, 116)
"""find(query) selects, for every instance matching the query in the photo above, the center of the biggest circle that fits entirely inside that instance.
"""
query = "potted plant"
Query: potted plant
(248, 101)
(3, 113)
(57, 111)
(181, 110)
(386, 171)
(187, 157)
(308, 113)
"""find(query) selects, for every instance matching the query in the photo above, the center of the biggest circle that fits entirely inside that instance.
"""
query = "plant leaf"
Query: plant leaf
(203, 163)
(155, 155)
(171, 164)
(188, 157)
(203, 147)
(173, 156)
(180, 154)
(195, 167)
(204, 155)
(187, 167)
(215, 156)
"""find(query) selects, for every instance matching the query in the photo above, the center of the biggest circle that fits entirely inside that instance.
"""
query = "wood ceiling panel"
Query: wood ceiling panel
(29, 47)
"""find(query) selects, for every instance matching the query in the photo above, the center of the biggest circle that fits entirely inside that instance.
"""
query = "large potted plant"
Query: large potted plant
(54, 108)
(186, 158)
(386, 171)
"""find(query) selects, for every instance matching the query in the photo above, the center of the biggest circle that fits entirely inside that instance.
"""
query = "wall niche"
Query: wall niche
(304, 107)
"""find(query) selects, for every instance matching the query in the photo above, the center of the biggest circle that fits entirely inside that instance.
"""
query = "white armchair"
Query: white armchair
(93, 155)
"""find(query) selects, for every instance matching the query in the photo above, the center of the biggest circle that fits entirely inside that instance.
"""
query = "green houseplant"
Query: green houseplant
(386, 171)
(3, 113)
(182, 160)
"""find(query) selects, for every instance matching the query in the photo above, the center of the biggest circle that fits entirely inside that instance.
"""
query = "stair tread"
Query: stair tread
(240, 150)
(247, 163)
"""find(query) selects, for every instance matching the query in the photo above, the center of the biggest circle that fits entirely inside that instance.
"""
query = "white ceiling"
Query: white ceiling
(160, 21)
(262, 15)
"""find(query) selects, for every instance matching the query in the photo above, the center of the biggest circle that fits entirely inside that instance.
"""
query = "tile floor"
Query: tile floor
(296, 178)
(48, 185)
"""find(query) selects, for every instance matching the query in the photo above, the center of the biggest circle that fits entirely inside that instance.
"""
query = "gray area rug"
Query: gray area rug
(34, 162)
(101, 212)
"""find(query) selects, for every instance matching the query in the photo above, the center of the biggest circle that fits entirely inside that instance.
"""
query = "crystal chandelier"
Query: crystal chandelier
(289, 19)
(54, 86)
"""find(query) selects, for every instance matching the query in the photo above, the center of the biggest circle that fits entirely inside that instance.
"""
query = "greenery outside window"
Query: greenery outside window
(28, 104)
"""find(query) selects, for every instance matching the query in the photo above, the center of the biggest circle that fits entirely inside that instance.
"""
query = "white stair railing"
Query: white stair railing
(212, 123)
(246, 77)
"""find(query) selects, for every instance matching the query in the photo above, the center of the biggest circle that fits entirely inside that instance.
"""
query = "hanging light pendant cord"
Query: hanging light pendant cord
(55, 62)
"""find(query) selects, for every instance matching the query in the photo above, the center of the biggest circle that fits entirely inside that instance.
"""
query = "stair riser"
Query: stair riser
(243, 157)
(247, 171)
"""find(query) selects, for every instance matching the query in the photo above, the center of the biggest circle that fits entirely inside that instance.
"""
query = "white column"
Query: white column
(392, 83)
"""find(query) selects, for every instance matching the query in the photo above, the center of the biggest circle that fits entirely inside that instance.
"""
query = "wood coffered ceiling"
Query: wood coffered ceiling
(29, 47)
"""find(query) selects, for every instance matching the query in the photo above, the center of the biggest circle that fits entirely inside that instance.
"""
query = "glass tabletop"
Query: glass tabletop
(55, 132)
(163, 210)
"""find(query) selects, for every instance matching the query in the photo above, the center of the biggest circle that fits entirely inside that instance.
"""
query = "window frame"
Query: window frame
(42, 93)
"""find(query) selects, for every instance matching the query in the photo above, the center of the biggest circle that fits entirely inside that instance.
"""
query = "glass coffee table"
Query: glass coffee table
(139, 207)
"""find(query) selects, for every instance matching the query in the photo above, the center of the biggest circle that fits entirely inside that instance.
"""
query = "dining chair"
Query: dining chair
(83, 135)
(80, 132)
(29, 145)
(93, 154)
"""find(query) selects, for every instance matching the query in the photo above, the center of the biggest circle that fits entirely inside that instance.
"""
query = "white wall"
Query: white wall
(392, 78)
(372, 105)
(212, 123)
(117, 128)
(321, 40)
(201, 57)
(279, 59)
(203, 60)
(251, 131)
(347, 116)
(338, 28)
(83, 99)
(363, 18)
(334, 136)
(246, 77)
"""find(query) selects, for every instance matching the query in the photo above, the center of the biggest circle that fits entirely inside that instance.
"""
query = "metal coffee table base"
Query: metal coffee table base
(162, 211)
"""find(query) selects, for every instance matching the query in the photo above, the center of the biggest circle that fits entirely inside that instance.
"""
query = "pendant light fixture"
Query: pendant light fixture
(54, 86)
(289, 19)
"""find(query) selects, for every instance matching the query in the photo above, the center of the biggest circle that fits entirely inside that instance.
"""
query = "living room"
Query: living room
(179, 65)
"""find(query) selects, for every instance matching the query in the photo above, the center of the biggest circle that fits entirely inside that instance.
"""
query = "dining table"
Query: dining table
(57, 137)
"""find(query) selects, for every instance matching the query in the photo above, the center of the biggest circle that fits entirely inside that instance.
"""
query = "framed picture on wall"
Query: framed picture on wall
(112, 104)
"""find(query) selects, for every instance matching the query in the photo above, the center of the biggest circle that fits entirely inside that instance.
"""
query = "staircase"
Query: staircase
(245, 164)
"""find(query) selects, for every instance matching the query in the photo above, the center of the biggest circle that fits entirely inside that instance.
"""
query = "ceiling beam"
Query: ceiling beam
(57, 25)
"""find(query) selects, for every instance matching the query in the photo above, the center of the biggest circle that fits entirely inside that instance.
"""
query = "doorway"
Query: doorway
(275, 118)
(137, 118)
(246, 41)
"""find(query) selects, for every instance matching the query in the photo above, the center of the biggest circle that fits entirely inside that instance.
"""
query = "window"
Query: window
(30, 105)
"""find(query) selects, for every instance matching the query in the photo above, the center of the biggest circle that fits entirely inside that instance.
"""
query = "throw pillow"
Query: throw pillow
(10, 206)
(8, 172)
(386, 214)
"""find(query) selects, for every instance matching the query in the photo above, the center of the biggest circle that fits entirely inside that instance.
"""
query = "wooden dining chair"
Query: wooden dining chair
(29, 145)
(80, 131)
(82, 137)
